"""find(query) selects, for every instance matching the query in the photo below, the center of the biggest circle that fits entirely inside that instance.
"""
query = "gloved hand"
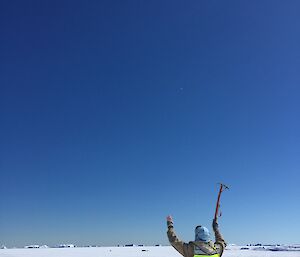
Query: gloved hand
(169, 221)
(169, 218)
(215, 223)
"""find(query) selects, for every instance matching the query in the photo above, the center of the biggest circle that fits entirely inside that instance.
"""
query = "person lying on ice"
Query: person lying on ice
(202, 246)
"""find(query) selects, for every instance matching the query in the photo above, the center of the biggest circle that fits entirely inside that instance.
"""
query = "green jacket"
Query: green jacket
(203, 248)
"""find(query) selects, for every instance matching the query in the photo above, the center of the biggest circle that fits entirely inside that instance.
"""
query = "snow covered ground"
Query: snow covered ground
(162, 251)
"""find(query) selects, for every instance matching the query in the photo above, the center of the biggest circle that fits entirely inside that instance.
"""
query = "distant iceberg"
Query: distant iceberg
(285, 248)
(32, 246)
(261, 247)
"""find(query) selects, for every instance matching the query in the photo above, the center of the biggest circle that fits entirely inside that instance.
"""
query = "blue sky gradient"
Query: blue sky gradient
(115, 114)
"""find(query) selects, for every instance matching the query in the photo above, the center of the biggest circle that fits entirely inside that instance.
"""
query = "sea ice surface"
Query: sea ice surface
(160, 251)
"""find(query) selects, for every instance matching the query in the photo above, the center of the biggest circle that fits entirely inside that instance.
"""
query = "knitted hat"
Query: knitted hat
(202, 234)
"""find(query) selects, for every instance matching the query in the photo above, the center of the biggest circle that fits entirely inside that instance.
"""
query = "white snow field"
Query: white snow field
(160, 251)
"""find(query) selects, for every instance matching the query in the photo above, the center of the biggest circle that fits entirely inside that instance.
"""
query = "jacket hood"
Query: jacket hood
(202, 234)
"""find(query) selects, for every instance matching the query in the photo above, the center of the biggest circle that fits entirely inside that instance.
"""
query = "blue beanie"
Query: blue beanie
(202, 234)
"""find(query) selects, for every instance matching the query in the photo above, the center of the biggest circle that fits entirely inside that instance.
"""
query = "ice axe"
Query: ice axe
(222, 188)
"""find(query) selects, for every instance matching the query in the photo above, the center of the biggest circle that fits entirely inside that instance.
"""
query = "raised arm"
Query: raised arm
(173, 239)
(220, 242)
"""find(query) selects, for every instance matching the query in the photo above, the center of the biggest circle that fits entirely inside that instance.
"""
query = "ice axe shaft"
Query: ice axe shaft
(222, 188)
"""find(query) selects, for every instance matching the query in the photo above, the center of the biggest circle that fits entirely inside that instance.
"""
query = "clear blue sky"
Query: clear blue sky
(115, 114)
